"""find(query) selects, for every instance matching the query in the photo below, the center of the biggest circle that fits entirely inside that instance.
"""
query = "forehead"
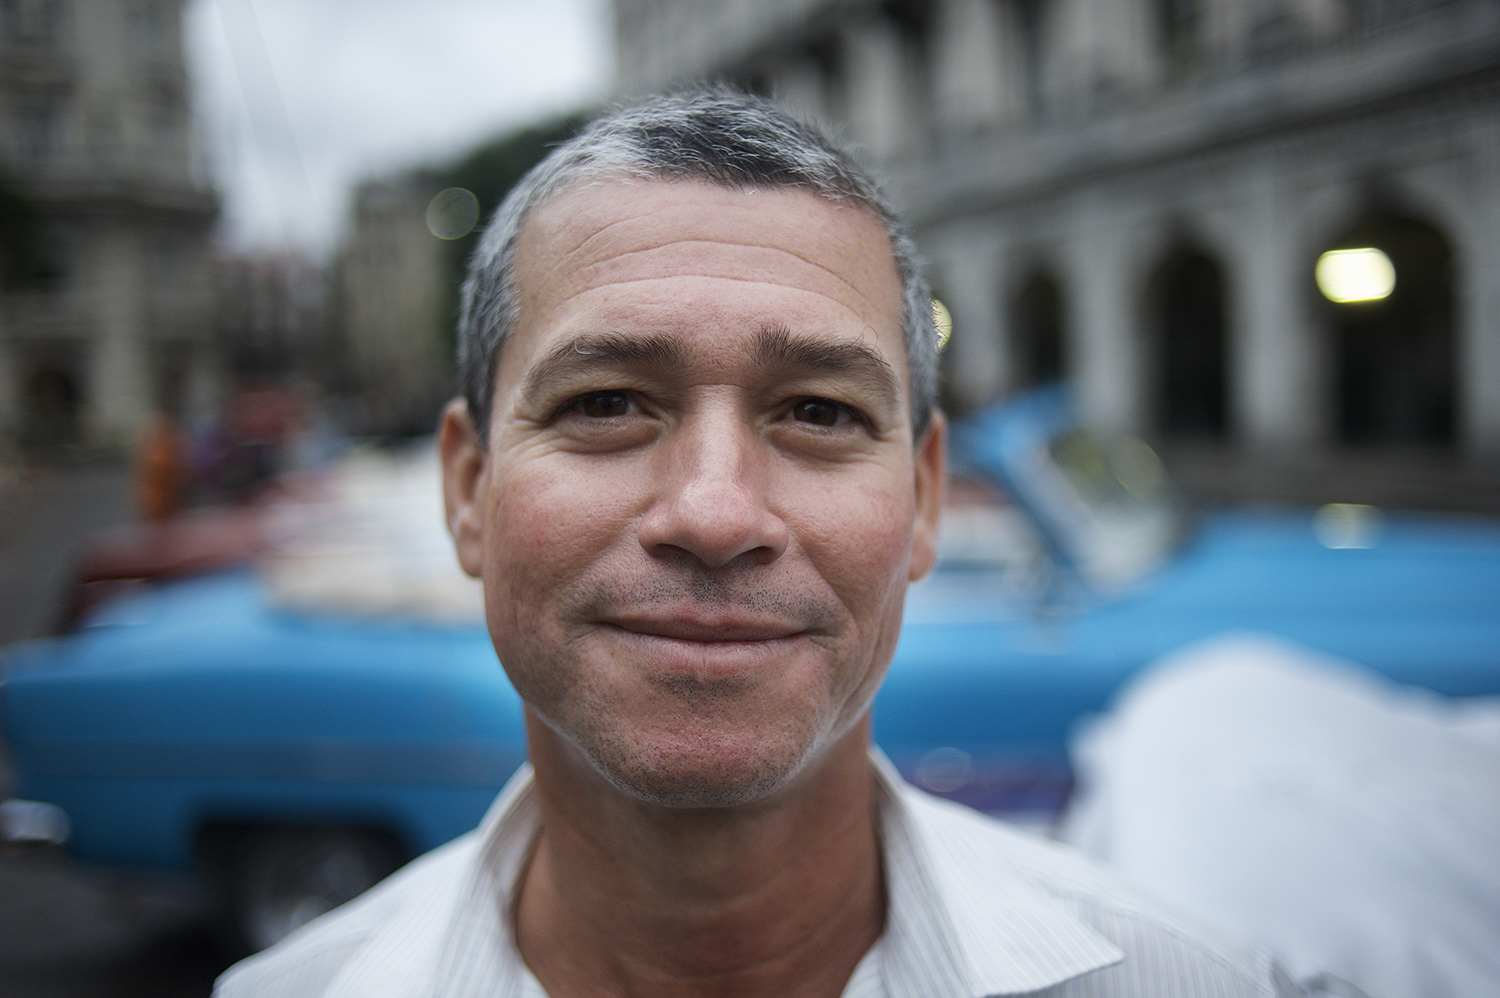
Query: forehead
(652, 245)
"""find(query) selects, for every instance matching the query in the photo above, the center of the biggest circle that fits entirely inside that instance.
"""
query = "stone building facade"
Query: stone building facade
(95, 134)
(1134, 194)
(272, 319)
(393, 307)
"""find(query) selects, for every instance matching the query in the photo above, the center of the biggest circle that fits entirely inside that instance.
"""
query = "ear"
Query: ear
(931, 466)
(464, 484)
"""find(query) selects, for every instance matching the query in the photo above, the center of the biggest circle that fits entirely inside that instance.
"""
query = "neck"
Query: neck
(782, 897)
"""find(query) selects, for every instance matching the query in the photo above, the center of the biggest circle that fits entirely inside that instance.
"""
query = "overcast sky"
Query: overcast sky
(299, 99)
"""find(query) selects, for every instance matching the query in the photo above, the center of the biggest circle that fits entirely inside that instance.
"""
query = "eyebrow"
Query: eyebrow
(775, 348)
(593, 351)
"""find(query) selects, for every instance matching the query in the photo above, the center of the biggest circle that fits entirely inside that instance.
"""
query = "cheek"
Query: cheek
(860, 539)
(882, 562)
(542, 530)
(862, 547)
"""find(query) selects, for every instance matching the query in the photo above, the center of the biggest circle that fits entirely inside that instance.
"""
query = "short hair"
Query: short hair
(717, 135)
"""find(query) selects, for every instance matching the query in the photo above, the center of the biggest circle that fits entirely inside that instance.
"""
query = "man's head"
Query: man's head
(694, 475)
(715, 136)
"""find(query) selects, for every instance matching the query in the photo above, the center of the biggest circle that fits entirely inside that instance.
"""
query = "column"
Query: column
(1104, 341)
(1093, 48)
(800, 88)
(1478, 252)
(877, 87)
(975, 364)
(1277, 395)
(203, 395)
(118, 393)
(977, 65)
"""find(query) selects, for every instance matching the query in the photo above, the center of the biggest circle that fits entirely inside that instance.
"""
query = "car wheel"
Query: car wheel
(283, 878)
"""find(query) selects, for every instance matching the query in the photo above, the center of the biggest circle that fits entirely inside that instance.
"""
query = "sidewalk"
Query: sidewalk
(1388, 477)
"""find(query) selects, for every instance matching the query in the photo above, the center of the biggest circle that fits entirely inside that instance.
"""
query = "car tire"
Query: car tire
(279, 879)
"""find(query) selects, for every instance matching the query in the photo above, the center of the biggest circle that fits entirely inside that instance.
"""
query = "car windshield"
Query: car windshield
(981, 529)
(371, 542)
(1117, 512)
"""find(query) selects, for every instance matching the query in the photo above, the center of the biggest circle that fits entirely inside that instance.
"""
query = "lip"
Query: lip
(702, 649)
(707, 631)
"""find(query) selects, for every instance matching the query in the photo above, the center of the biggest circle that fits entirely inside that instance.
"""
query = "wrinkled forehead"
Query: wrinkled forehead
(620, 230)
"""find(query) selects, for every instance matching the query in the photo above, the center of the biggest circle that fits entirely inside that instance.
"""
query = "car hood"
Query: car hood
(1420, 604)
(994, 667)
(215, 658)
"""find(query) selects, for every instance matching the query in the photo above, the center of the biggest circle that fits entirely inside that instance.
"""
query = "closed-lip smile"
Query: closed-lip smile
(706, 630)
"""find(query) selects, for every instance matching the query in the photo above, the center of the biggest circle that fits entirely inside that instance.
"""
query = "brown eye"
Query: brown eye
(818, 412)
(605, 405)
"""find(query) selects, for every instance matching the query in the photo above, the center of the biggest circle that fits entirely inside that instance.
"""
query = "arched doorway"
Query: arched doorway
(1394, 356)
(1188, 346)
(1038, 350)
(49, 419)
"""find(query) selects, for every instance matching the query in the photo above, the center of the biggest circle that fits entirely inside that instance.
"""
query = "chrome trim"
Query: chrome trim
(33, 821)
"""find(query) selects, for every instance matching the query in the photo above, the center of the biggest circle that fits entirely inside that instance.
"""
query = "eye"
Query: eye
(603, 405)
(821, 412)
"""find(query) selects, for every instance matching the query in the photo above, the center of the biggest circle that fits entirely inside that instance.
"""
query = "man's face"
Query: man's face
(700, 503)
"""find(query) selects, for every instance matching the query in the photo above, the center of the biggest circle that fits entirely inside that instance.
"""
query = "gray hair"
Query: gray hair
(718, 135)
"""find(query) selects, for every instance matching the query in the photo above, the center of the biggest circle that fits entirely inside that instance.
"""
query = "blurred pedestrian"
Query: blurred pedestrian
(161, 468)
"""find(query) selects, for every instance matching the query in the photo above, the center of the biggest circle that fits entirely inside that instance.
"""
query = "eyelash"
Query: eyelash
(578, 402)
(855, 416)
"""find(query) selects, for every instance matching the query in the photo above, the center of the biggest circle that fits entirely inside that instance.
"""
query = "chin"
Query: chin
(711, 771)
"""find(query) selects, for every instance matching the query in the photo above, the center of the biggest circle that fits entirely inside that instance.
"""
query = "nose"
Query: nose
(712, 498)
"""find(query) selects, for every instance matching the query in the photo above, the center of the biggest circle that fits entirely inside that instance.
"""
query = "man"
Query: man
(697, 464)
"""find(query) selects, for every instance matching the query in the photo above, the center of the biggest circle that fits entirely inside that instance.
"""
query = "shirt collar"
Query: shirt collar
(961, 921)
(455, 938)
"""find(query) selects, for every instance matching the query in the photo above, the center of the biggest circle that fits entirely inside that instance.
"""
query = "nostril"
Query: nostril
(712, 498)
(716, 525)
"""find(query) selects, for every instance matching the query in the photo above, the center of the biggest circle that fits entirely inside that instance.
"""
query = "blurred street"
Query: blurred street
(67, 930)
(1240, 254)
(1390, 478)
(45, 512)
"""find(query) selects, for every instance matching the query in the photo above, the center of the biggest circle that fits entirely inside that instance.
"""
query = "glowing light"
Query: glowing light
(943, 320)
(1349, 275)
(944, 770)
(452, 213)
(1343, 525)
(1137, 468)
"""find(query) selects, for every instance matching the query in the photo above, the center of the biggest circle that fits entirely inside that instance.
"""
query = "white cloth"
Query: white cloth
(1350, 825)
(974, 908)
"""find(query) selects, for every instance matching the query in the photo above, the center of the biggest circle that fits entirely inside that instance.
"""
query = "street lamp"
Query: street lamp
(1353, 275)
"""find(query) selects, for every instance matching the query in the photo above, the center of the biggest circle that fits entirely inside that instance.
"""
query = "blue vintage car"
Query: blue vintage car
(296, 751)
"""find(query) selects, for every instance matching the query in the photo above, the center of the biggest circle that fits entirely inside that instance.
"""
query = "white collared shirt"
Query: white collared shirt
(974, 909)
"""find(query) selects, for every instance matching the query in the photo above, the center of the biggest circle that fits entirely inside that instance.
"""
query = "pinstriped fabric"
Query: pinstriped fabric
(866, 981)
(530, 987)
(479, 955)
(974, 910)
(992, 930)
(1162, 961)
